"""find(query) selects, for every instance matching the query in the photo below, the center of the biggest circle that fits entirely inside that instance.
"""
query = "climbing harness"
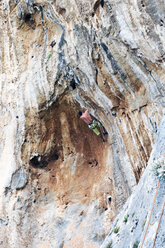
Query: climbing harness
(151, 213)
(12, 12)
(93, 125)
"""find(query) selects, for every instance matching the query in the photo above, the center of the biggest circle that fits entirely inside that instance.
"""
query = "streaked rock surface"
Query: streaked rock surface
(55, 174)
(134, 217)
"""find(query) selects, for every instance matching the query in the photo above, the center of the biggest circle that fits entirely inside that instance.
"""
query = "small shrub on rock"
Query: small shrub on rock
(144, 222)
(157, 169)
(135, 245)
(126, 218)
(109, 245)
(116, 229)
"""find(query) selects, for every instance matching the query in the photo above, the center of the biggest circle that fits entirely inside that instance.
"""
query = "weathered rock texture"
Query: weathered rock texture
(55, 174)
(133, 219)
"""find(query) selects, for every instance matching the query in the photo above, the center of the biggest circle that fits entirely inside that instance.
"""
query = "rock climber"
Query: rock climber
(93, 124)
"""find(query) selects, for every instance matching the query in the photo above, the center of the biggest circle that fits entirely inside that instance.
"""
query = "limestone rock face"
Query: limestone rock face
(133, 220)
(60, 184)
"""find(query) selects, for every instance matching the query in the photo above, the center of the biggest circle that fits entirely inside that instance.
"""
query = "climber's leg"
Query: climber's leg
(93, 126)
(102, 131)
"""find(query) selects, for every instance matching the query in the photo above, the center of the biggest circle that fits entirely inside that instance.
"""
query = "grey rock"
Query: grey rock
(19, 179)
(3, 222)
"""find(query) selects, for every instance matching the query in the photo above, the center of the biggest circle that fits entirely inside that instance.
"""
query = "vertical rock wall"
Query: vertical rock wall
(55, 57)
(141, 221)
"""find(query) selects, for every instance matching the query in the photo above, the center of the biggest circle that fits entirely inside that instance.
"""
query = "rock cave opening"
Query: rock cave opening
(70, 164)
(67, 160)
(27, 17)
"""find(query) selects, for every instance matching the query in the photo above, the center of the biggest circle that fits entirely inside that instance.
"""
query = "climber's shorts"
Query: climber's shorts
(93, 125)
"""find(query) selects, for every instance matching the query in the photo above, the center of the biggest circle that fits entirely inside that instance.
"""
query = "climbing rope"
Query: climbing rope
(151, 209)
(158, 225)
(11, 12)
(5, 20)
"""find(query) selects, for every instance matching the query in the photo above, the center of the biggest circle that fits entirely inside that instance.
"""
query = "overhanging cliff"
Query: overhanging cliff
(56, 174)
